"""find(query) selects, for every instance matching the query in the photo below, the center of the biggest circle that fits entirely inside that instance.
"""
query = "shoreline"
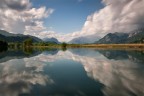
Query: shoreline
(93, 46)
(114, 45)
(99, 46)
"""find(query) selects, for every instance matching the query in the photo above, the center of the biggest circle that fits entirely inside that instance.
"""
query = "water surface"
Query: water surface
(74, 72)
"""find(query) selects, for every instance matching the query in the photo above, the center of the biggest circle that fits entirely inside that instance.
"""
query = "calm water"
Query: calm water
(74, 72)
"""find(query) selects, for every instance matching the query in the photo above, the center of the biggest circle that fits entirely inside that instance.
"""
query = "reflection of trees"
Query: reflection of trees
(18, 76)
(28, 50)
(64, 48)
(16, 54)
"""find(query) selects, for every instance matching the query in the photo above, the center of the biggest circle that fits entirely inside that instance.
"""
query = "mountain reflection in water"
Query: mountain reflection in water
(81, 72)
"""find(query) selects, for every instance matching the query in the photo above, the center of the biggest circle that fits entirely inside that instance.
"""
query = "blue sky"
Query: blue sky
(69, 15)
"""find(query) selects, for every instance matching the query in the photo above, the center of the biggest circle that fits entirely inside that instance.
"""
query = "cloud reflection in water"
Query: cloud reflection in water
(19, 75)
(121, 72)
(122, 75)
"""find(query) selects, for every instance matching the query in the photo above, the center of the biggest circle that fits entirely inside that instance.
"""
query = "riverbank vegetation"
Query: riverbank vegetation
(43, 45)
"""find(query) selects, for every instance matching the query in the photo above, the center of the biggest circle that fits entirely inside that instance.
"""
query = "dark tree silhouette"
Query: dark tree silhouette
(3, 46)
(27, 42)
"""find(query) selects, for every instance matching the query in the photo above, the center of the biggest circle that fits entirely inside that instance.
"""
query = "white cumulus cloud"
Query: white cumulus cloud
(19, 16)
(60, 36)
(116, 16)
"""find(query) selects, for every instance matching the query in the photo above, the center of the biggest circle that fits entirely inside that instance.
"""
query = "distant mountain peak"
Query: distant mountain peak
(52, 39)
(85, 39)
(135, 32)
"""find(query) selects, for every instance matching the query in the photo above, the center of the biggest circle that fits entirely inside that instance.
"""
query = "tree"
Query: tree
(27, 42)
(64, 45)
(3, 46)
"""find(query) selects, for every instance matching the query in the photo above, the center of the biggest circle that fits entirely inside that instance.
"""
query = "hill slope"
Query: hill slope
(9, 37)
(136, 36)
(84, 39)
(53, 40)
(114, 38)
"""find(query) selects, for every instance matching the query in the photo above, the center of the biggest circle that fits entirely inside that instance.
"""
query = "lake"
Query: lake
(73, 72)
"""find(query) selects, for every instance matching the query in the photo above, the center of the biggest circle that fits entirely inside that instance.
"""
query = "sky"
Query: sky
(68, 15)
(69, 19)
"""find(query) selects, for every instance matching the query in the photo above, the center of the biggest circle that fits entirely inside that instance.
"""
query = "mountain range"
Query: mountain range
(84, 39)
(113, 38)
(136, 36)
(53, 40)
(10, 37)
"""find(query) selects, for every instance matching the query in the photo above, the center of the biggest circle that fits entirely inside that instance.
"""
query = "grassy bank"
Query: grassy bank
(95, 46)
(114, 45)
(109, 46)
(64, 46)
